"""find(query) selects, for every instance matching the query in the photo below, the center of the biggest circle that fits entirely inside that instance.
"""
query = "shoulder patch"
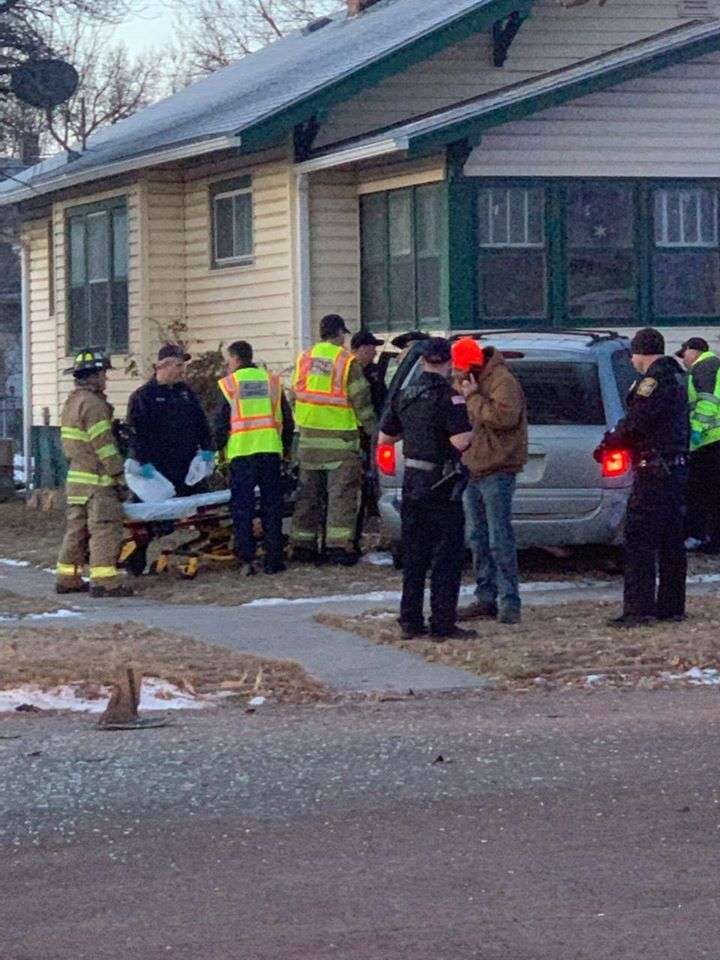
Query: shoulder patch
(646, 387)
(459, 400)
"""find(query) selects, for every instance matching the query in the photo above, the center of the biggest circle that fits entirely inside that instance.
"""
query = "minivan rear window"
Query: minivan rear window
(625, 374)
(561, 393)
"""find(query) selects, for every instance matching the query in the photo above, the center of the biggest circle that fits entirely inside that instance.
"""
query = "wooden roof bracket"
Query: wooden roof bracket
(503, 34)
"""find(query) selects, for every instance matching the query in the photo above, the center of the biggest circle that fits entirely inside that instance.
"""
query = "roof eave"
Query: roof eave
(68, 179)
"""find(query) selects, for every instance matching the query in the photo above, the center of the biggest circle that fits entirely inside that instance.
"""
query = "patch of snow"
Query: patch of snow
(594, 678)
(256, 702)
(14, 563)
(57, 614)
(378, 559)
(707, 677)
(156, 695)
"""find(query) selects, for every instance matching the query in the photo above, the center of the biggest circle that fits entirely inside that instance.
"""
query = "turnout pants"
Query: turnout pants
(655, 558)
(342, 486)
(246, 473)
(94, 533)
(433, 539)
(704, 494)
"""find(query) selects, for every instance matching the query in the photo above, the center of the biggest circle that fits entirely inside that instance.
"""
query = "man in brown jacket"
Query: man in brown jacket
(95, 485)
(498, 451)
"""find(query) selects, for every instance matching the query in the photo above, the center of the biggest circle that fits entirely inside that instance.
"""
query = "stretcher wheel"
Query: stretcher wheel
(158, 566)
(189, 570)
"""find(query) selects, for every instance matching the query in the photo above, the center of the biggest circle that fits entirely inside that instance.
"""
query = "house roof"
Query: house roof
(467, 120)
(258, 100)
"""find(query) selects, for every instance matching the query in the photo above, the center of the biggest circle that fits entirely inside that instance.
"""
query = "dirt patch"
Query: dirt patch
(13, 605)
(562, 644)
(32, 535)
(51, 657)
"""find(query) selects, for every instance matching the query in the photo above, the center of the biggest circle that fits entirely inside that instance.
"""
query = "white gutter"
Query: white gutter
(302, 256)
(26, 373)
(368, 151)
(70, 179)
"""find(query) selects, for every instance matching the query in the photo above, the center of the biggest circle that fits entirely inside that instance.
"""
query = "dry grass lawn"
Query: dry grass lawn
(562, 644)
(54, 656)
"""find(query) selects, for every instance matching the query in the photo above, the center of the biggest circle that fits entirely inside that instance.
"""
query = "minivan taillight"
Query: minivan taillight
(615, 463)
(385, 458)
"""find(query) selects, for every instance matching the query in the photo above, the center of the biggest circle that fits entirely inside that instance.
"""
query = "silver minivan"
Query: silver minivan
(575, 383)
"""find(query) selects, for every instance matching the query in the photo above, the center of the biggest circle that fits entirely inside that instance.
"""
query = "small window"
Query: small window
(512, 262)
(402, 243)
(232, 222)
(686, 217)
(98, 277)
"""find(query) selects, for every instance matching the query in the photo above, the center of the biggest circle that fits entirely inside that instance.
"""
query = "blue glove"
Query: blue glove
(207, 456)
(147, 471)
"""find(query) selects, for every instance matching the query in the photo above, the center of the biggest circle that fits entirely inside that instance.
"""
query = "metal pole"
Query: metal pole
(26, 384)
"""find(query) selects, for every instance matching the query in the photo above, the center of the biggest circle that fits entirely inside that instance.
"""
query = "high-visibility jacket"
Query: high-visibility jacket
(704, 396)
(94, 461)
(320, 386)
(255, 398)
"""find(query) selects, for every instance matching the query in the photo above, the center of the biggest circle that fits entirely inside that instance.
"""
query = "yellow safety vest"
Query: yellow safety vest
(320, 388)
(704, 409)
(255, 398)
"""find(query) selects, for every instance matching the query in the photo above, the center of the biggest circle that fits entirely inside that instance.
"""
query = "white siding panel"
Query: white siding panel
(553, 37)
(663, 125)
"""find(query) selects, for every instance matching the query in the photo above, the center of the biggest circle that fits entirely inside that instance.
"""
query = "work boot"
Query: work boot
(304, 554)
(629, 622)
(63, 588)
(672, 618)
(276, 567)
(453, 633)
(248, 570)
(100, 592)
(342, 557)
(511, 616)
(411, 631)
(477, 610)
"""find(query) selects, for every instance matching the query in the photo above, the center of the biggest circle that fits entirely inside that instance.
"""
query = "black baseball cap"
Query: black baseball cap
(331, 325)
(436, 350)
(173, 350)
(365, 339)
(405, 339)
(647, 342)
(694, 343)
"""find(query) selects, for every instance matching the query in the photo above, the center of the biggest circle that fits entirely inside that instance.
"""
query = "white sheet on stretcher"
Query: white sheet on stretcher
(176, 509)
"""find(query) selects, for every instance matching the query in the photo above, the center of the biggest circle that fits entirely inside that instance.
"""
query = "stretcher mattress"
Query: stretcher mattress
(179, 508)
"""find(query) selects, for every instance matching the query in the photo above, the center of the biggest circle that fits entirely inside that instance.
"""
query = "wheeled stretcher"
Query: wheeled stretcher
(205, 517)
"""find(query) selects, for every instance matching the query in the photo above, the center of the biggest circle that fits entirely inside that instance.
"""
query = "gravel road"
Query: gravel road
(556, 826)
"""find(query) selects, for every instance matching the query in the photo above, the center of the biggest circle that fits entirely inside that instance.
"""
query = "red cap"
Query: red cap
(466, 353)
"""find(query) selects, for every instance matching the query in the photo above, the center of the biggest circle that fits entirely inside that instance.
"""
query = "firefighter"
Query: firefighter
(254, 429)
(332, 403)
(95, 485)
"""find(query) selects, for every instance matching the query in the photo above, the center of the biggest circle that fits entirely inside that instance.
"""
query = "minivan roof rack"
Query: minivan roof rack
(594, 335)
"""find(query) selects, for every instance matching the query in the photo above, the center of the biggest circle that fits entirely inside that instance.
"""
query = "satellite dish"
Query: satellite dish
(44, 83)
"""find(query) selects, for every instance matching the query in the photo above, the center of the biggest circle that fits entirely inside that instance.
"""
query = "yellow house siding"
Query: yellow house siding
(43, 340)
(334, 248)
(163, 216)
(252, 302)
(553, 37)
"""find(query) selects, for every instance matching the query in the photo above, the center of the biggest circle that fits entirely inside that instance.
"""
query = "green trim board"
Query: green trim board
(271, 130)
(640, 254)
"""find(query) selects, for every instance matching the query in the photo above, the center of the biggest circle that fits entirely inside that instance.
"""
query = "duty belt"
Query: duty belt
(425, 465)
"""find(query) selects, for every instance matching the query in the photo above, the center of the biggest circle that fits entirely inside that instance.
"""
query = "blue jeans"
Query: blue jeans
(246, 473)
(488, 511)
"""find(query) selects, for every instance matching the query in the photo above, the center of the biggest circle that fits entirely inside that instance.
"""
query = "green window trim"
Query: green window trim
(465, 305)
(97, 268)
(232, 226)
(404, 257)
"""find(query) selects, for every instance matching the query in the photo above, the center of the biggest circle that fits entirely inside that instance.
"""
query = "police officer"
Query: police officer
(656, 432)
(431, 418)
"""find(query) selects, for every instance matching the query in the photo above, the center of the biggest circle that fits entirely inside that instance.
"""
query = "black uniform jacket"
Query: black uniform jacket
(657, 424)
(426, 414)
(169, 427)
